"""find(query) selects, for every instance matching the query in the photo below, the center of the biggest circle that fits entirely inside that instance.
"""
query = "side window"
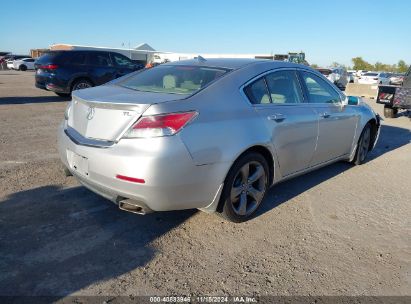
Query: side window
(284, 87)
(78, 58)
(257, 92)
(319, 91)
(122, 61)
(100, 59)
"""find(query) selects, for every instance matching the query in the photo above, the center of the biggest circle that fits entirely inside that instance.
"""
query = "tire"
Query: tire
(390, 112)
(65, 95)
(22, 67)
(244, 188)
(81, 84)
(363, 146)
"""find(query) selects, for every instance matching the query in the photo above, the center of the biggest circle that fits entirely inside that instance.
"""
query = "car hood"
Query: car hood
(111, 93)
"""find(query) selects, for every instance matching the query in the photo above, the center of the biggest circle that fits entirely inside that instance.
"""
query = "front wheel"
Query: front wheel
(244, 188)
(363, 146)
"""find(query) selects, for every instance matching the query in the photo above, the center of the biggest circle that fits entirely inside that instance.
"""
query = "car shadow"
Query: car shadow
(36, 99)
(56, 241)
(391, 138)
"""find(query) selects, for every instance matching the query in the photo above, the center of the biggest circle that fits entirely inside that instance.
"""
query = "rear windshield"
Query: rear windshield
(50, 57)
(173, 79)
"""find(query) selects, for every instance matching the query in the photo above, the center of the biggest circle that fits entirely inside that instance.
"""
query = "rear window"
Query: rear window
(48, 57)
(173, 79)
(371, 74)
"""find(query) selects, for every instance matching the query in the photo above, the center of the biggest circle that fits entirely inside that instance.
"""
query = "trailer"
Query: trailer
(395, 97)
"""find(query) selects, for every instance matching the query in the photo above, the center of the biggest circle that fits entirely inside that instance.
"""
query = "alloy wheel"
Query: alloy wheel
(248, 188)
(82, 85)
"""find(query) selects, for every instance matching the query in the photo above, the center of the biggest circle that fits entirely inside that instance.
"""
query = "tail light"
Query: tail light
(160, 125)
(49, 67)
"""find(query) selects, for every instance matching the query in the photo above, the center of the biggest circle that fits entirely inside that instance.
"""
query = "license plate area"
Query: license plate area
(78, 163)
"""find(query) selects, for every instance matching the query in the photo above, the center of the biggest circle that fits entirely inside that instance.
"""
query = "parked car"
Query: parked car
(10, 58)
(350, 77)
(23, 64)
(374, 78)
(212, 134)
(10, 64)
(338, 76)
(397, 79)
(65, 71)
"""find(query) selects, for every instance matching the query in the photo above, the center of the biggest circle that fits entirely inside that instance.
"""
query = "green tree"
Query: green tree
(314, 66)
(402, 67)
(361, 64)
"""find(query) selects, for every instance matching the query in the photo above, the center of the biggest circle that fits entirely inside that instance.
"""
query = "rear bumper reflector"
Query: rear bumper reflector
(131, 179)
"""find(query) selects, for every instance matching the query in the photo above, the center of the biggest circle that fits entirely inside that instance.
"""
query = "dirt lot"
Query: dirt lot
(342, 230)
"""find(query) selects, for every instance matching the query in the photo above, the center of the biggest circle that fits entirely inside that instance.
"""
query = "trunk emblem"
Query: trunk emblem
(90, 113)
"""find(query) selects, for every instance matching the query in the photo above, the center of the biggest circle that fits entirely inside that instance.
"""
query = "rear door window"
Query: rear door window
(284, 87)
(100, 59)
(78, 58)
(319, 91)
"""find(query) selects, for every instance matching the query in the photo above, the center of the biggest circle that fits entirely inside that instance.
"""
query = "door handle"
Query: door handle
(325, 115)
(277, 117)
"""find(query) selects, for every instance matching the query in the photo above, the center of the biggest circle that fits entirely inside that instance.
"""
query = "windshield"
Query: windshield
(173, 79)
(371, 74)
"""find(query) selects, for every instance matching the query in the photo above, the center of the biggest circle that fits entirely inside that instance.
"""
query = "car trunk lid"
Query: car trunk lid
(106, 112)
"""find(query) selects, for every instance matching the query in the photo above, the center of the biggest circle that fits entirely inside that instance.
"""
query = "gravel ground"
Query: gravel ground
(341, 230)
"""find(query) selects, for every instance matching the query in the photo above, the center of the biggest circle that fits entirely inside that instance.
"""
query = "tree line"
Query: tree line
(360, 64)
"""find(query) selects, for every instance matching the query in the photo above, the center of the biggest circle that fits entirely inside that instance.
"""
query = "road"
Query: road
(341, 230)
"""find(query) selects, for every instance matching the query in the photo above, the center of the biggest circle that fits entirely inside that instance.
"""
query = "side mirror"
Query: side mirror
(352, 100)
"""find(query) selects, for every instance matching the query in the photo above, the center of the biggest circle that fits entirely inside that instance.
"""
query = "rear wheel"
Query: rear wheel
(81, 84)
(22, 67)
(244, 188)
(389, 112)
(363, 145)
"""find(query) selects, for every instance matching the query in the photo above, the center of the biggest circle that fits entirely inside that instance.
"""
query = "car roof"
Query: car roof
(230, 63)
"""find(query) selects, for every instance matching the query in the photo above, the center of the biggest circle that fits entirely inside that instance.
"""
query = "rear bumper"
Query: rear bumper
(50, 84)
(172, 180)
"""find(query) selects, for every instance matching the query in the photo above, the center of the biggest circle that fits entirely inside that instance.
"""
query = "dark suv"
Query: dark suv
(65, 71)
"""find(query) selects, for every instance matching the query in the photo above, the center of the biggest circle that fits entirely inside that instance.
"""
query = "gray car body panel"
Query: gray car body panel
(188, 170)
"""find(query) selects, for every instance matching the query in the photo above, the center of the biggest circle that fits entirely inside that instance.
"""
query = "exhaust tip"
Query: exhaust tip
(133, 206)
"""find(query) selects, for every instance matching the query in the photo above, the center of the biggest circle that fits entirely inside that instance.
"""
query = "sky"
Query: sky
(327, 31)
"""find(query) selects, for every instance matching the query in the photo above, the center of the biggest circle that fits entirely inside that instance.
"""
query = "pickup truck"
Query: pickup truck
(395, 97)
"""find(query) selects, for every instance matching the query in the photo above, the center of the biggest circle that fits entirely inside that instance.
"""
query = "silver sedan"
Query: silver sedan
(210, 134)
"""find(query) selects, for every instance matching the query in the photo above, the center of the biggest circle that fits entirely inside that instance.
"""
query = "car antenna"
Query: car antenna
(201, 59)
